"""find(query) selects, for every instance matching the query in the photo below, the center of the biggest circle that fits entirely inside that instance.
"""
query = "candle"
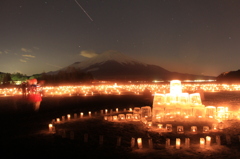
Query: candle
(50, 126)
(139, 142)
(105, 118)
(160, 126)
(69, 116)
(89, 113)
(208, 141)
(81, 114)
(202, 142)
(58, 120)
(114, 118)
(178, 142)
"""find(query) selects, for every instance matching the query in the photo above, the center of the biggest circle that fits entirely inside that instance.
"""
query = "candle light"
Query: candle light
(89, 114)
(81, 114)
(160, 126)
(178, 142)
(202, 142)
(51, 128)
(194, 129)
(69, 116)
(114, 118)
(149, 124)
(139, 142)
(208, 141)
(58, 120)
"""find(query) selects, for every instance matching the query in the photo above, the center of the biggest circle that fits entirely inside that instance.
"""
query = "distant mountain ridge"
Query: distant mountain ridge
(230, 76)
(113, 65)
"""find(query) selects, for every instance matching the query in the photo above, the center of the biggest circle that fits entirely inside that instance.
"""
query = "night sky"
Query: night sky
(186, 36)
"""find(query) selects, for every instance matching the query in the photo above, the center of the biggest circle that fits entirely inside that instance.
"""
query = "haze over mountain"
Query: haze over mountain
(113, 65)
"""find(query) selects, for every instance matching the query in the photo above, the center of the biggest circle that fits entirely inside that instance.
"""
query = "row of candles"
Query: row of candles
(89, 114)
(204, 143)
(121, 89)
(135, 117)
(208, 112)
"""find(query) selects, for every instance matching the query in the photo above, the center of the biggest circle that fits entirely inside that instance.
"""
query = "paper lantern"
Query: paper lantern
(202, 142)
(178, 143)
(139, 142)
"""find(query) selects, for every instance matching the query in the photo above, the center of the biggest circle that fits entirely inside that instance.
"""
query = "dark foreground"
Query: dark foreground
(24, 133)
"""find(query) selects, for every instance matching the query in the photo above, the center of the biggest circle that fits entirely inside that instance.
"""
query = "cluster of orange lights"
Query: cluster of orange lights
(138, 89)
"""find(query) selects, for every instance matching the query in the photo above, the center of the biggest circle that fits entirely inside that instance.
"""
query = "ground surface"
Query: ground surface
(24, 133)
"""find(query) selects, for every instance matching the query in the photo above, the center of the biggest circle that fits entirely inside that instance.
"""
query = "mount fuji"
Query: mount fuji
(113, 65)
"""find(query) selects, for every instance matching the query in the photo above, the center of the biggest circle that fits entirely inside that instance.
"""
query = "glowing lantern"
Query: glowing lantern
(58, 120)
(50, 126)
(180, 130)
(130, 109)
(210, 111)
(205, 129)
(214, 127)
(129, 116)
(178, 143)
(171, 99)
(158, 100)
(160, 126)
(136, 110)
(221, 111)
(183, 98)
(146, 111)
(208, 141)
(169, 127)
(139, 142)
(89, 114)
(136, 117)
(202, 142)
(121, 116)
(68, 116)
(195, 99)
(194, 129)
(149, 124)
(175, 87)
(199, 111)
(114, 118)
(81, 114)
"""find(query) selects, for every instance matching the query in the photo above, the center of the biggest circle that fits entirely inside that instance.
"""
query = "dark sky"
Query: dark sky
(187, 36)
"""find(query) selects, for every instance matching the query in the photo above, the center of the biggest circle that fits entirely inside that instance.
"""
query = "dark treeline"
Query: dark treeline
(69, 76)
(8, 79)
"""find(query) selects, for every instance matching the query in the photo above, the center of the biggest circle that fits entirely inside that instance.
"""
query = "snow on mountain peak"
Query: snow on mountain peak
(108, 56)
